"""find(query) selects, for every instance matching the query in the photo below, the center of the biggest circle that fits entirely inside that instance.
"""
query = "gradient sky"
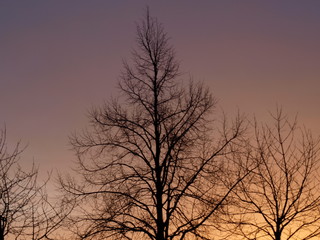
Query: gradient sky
(58, 58)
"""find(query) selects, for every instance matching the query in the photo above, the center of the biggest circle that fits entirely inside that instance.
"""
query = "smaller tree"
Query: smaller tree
(281, 199)
(25, 211)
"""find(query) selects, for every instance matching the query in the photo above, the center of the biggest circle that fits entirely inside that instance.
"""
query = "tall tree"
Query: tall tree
(144, 165)
(281, 199)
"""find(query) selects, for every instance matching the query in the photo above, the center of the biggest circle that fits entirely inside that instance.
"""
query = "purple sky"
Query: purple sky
(59, 58)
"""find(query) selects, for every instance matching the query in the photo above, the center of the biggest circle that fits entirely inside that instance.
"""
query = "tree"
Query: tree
(281, 199)
(25, 210)
(144, 165)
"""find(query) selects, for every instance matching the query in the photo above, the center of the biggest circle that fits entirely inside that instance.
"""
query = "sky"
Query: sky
(59, 58)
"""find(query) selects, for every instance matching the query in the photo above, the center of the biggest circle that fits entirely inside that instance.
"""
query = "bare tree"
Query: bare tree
(281, 199)
(25, 210)
(144, 165)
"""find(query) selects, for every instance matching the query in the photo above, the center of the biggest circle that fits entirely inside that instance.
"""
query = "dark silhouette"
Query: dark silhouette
(2, 225)
(281, 199)
(151, 165)
(25, 211)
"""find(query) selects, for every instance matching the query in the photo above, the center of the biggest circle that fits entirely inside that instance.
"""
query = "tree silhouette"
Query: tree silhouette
(25, 210)
(146, 165)
(281, 199)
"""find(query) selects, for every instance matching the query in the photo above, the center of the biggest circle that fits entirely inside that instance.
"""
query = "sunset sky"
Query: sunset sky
(59, 58)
